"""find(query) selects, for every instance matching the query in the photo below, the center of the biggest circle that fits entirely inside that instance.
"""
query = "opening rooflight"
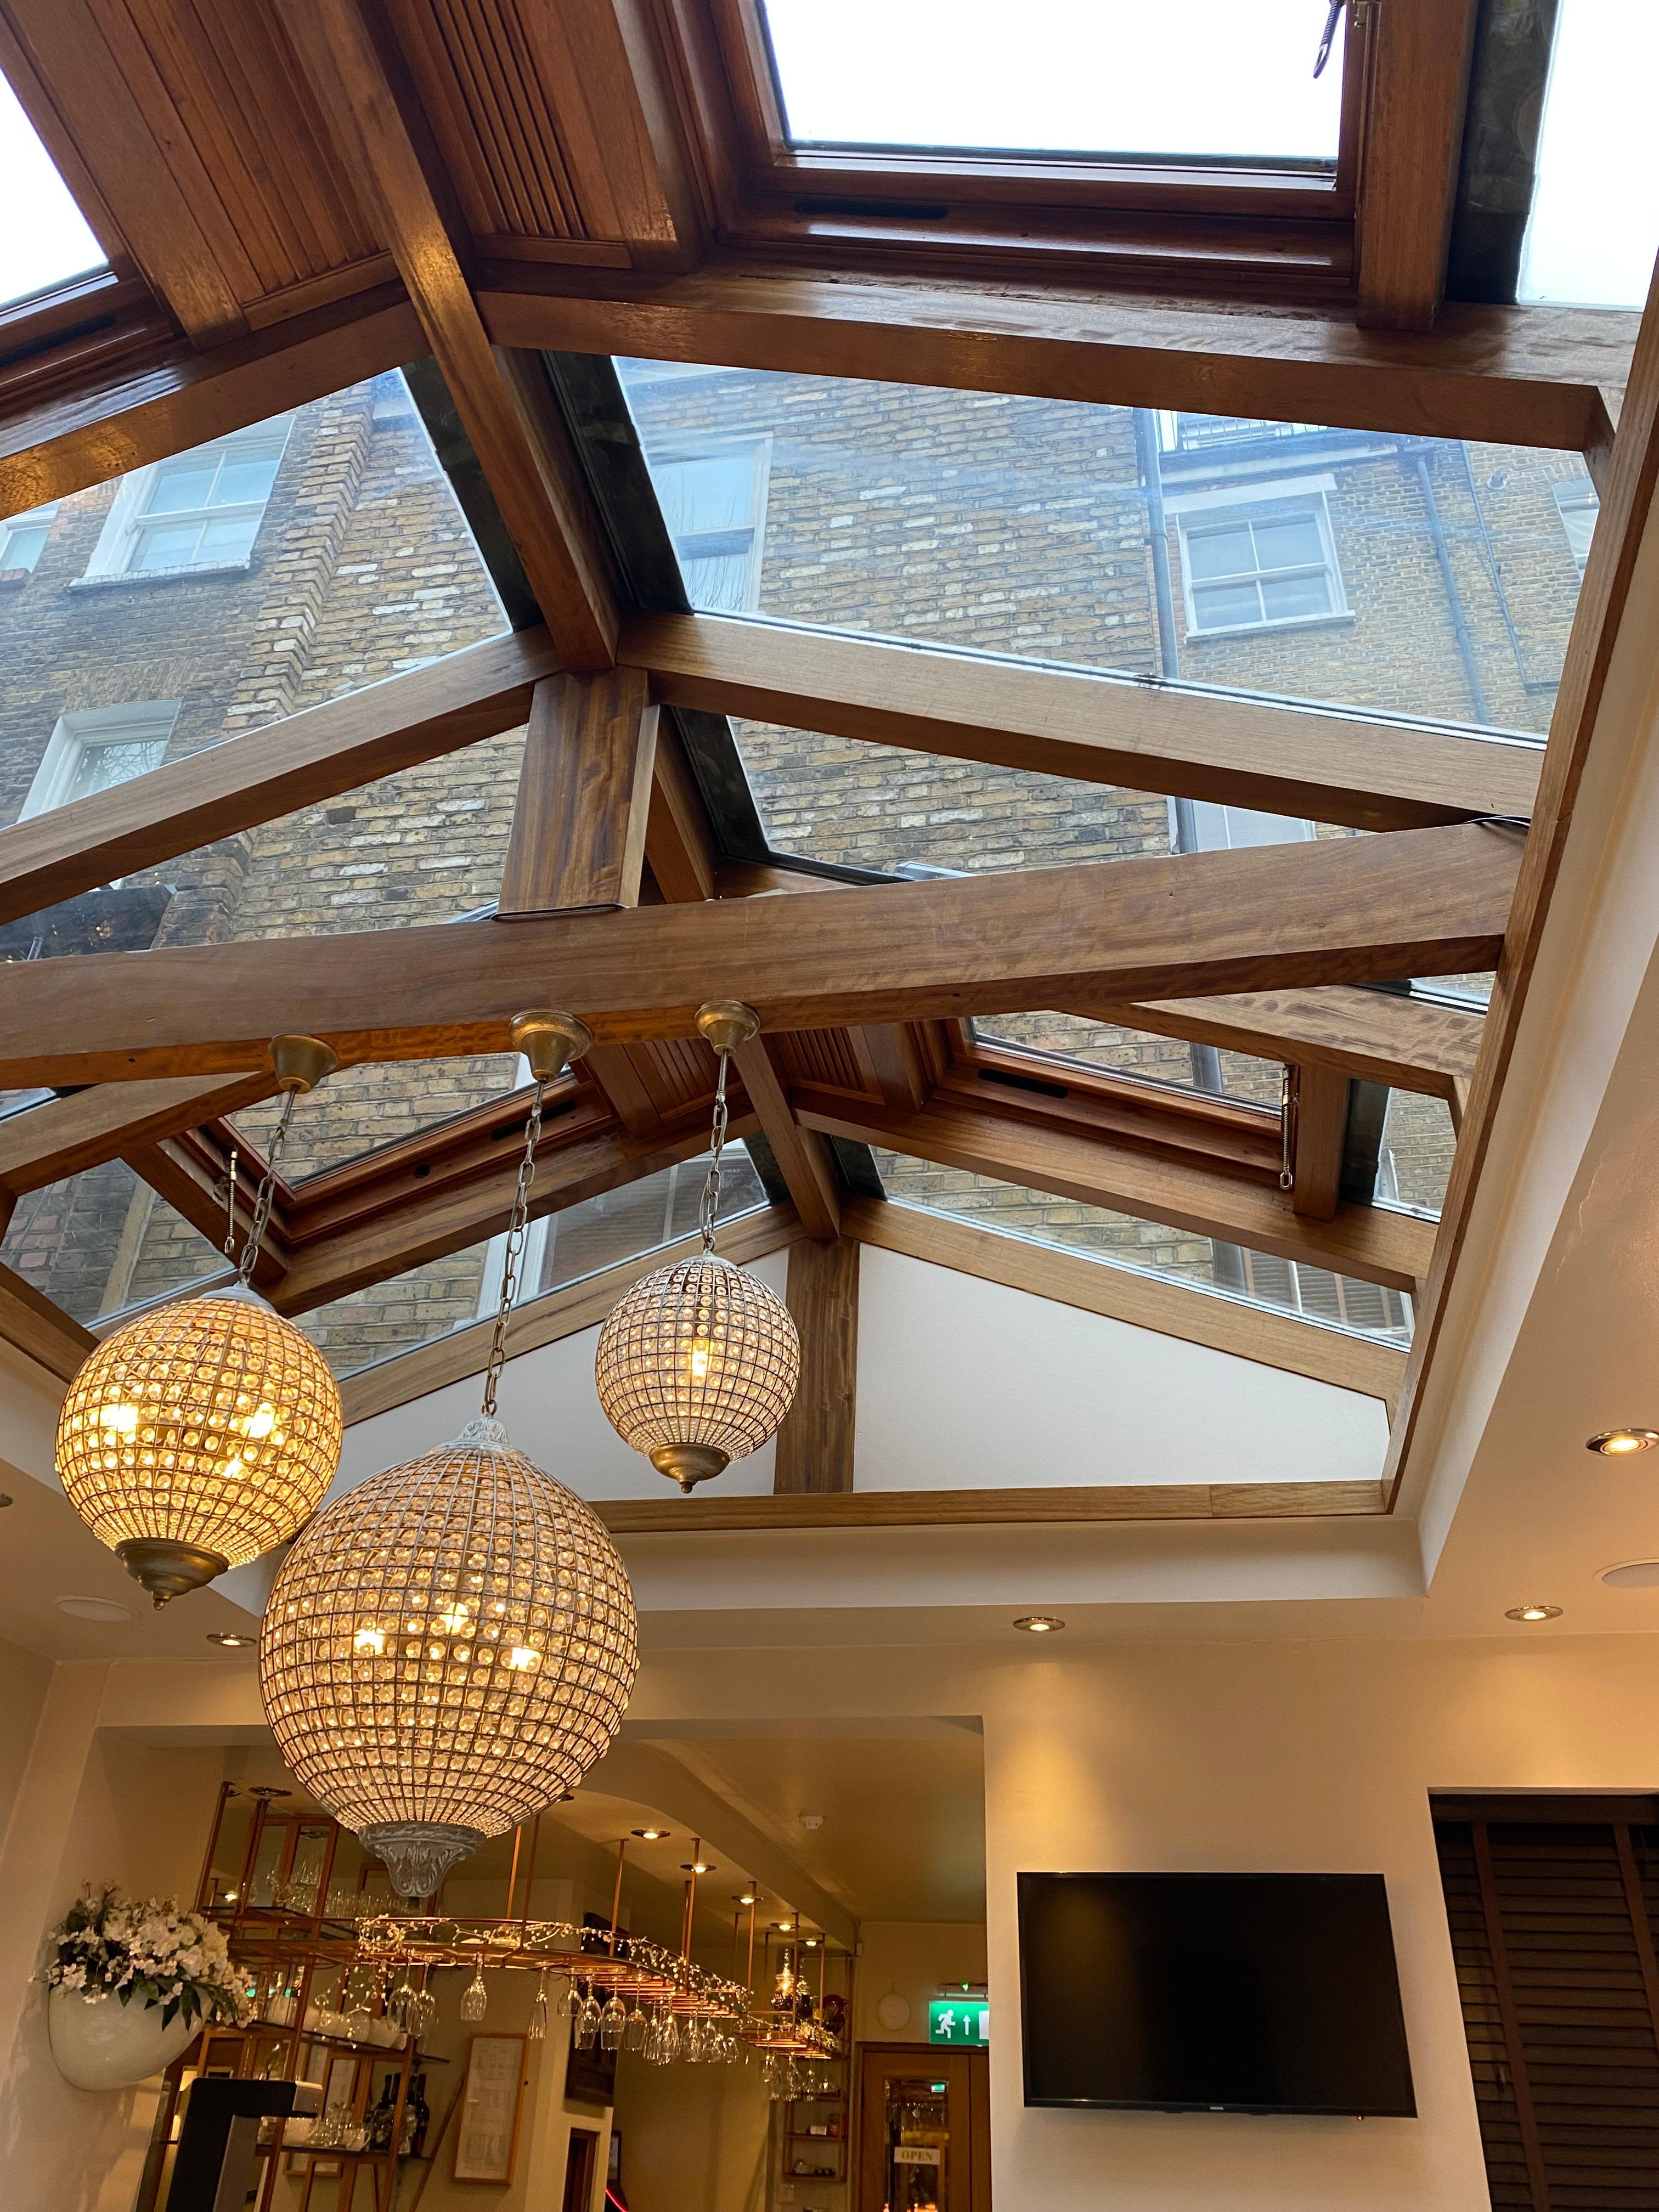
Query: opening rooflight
(52, 242)
(1210, 82)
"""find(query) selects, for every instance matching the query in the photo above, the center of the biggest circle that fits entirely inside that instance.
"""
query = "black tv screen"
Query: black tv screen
(1212, 1993)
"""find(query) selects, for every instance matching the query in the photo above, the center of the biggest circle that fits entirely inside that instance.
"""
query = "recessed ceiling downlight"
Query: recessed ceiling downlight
(1632, 1574)
(1618, 1443)
(1039, 1623)
(93, 1609)
(1536, 1610)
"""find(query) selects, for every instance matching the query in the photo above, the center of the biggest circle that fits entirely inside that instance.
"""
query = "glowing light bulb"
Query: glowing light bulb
(370, 1642)
(523, 1657)
(700, 1356)
(124, 1419)
(260, 1423)
(454, 1620)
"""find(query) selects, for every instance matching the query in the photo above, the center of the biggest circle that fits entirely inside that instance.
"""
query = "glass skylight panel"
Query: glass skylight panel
(1415, 1163)
(1303, 562)
(442, 1296)
(359, 1111)
(1209, 81)
(1119, 1240)
(46, 242)
(1595, 223)
(1169, 1061)
(103, 1242)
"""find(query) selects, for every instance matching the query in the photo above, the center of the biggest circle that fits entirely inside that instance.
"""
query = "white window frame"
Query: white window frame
(13, 523)
(700, 448)
(1269, 504)
(125, 524)
(134, 722)
(1575, 498)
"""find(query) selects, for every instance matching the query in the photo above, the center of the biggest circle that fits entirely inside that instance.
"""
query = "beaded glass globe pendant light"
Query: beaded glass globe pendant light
(698, 1364)
(205, 1431)
(449, 1646)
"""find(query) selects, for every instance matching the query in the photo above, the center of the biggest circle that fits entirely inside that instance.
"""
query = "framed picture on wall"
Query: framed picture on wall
(492, 2099)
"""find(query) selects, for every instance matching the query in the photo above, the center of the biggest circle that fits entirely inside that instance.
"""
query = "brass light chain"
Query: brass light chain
(708, 1204)
(265, 1197)
(518, 1228)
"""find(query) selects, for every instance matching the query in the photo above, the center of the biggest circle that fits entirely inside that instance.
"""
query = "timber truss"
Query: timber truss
(294, 199)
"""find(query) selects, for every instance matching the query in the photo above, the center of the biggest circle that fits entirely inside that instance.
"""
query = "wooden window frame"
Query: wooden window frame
(1296, 223)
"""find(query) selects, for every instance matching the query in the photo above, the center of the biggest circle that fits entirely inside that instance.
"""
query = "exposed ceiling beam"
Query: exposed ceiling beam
(1365, 771)
(1319, 1134)
(803, 1158)
(64, 1136)
(1520, 376)
(31, 1324)
(969, 1509)
(1423, 902)
(267, 773)
(373, 117)
(816, 1442)
(1381, 1037)
(579, 820)
(61, 432)
(1371, 1242)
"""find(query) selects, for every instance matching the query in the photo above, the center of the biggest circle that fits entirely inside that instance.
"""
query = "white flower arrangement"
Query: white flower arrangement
(108, 1944)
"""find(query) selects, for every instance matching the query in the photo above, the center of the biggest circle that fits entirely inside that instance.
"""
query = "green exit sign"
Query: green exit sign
(964, 2022)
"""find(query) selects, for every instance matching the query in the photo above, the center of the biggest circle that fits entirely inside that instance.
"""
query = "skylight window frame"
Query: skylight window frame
(771, 187)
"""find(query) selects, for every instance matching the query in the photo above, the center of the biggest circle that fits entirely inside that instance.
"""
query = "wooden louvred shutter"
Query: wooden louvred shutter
(1552, 1928)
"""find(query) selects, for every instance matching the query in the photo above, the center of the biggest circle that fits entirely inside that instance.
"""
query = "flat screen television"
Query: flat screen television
(1212, 1993)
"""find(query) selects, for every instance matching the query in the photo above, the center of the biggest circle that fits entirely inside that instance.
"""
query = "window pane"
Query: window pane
(711, 491)
(1089, 76)
(718, 581)
(1418, 1143)
(245, 476)
(181, 485)
(1147, 1247)
(1289, 541)
(1218, 605)
(102, 766)
(1220, 552)
(361, 1110)
(170, 545)
(1168, 1061)
(1001, 524)
(21, 549)
(1287, 598)
(47, 241)
(1595, 220)
(435, 1300)
(103, 1241)
(231, 539)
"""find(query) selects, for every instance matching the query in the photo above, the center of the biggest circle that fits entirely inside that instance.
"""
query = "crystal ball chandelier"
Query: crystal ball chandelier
(447, 1649)
(205, 1431)
(699, 1363)
(451, 1645)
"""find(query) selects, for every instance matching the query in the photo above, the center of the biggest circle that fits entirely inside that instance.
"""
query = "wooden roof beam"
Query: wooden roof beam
(1379, 1037)
(1370, 1242)
(1366, 771)
(1424, 902)
(374, 116)
(269, 772)
(62, 1137)
(1520, 376)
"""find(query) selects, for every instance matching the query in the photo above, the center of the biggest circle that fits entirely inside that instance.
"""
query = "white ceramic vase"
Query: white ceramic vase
(110, 2045)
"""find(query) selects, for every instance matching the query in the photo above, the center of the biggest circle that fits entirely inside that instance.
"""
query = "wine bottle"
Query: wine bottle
(423, 2115)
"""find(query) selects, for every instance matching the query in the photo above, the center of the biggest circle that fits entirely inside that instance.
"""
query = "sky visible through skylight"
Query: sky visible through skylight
(1203, 78)
(45, 240)
(1594, 222)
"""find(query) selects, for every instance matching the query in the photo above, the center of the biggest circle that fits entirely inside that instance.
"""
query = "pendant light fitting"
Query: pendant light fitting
(451, 1645)
(698, 1364)
(207, 1430)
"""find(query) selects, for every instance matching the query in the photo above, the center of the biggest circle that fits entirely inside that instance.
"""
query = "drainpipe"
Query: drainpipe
(1459, 627)
(1206, 1061)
